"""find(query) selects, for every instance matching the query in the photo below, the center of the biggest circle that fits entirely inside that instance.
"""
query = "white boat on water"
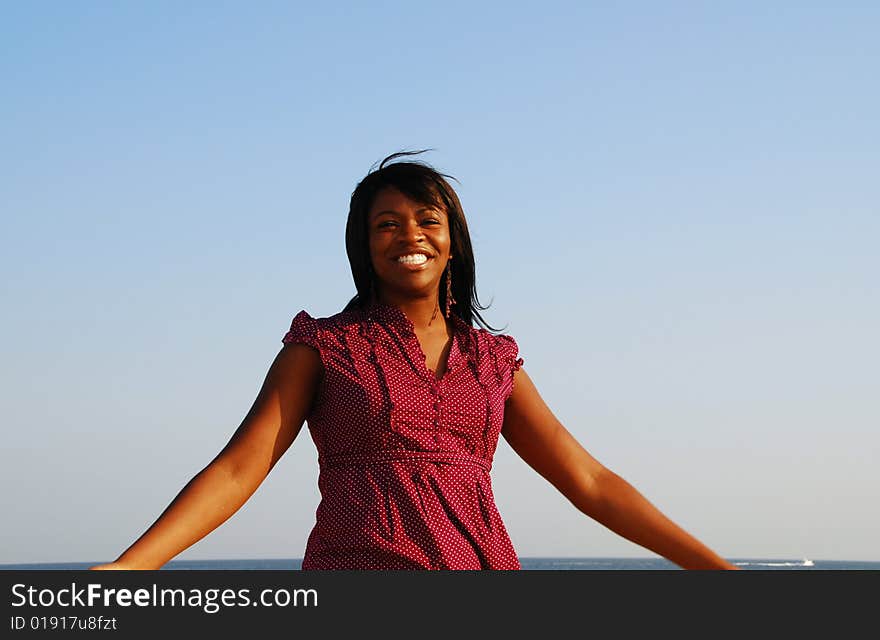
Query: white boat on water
(807, 563)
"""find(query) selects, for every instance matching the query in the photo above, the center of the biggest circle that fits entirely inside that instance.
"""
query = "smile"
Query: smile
(413, 261)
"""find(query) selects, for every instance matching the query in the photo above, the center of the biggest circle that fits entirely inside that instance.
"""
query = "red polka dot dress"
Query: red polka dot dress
(405, 457)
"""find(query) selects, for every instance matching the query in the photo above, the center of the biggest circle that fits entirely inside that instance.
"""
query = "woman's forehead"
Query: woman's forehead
(391, 200)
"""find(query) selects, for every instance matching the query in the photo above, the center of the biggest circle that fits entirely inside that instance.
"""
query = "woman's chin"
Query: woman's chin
(412, 289)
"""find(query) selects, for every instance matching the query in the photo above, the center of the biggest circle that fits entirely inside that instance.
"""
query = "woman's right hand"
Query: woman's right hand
(110, 566)
(218, 490)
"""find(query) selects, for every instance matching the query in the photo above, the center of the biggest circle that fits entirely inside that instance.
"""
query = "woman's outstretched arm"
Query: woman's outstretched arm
(222, 487)
(545, 444)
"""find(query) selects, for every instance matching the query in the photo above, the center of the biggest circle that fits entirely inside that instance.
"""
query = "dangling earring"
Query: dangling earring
(449, 299)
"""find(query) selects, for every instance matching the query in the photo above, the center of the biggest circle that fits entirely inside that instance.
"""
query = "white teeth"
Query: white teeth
(416, 258)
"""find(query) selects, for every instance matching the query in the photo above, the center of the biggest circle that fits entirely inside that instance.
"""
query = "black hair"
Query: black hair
(418, 181)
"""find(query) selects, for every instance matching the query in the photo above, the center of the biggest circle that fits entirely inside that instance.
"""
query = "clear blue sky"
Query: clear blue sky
(674, 208)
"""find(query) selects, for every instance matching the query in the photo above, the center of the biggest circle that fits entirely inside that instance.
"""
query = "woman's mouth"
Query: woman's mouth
(413, 261)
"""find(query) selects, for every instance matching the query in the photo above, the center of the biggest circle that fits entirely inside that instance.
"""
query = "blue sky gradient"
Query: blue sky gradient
(674, 210)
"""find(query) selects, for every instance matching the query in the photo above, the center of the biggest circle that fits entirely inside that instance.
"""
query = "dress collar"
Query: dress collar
(376, 310)
(462, 343)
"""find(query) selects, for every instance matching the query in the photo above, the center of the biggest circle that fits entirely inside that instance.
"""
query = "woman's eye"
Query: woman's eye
(385, 224)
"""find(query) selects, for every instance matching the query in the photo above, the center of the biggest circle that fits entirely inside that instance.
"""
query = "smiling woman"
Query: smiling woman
(406, 401)
(409, 245)
(411, 197)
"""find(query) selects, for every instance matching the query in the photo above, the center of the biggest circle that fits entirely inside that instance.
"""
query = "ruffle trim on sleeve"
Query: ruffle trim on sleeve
(508, 351)
(303, 329)
(507, 362)
(517, 364)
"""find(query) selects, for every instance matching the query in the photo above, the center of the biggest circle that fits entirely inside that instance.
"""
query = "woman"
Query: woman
(405, 401)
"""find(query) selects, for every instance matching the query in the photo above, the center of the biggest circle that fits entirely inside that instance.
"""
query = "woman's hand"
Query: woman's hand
(218, 490)
(546, 445)
(110, 566)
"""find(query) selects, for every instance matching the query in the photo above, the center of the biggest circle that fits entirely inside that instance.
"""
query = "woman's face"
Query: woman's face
(409, 246)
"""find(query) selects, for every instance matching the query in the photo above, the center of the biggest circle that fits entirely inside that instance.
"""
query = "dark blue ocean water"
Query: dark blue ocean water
(557, 564)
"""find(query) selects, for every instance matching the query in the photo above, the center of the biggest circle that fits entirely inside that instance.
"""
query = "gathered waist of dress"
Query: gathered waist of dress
(403, 455)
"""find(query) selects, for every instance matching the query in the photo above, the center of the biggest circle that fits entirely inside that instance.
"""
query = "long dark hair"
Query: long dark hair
(418, 181)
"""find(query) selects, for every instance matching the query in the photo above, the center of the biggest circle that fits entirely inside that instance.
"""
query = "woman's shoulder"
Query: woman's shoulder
(318, 329)
(489, 338)
(340, 318)
(501, 345)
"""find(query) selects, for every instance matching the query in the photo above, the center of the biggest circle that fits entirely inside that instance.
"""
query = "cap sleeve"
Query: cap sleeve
(509, 362)
(303, 329)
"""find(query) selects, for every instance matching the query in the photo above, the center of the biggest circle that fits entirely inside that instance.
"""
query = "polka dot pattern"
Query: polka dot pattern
(405, 457)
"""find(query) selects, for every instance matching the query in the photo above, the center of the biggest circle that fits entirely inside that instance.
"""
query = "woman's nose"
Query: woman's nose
(411, 230)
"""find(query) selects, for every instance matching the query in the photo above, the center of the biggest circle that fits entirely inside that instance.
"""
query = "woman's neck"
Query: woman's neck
(424, 313)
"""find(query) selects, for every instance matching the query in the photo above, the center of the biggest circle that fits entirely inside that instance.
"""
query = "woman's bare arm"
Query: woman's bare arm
(546, 445)
(222, 487)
